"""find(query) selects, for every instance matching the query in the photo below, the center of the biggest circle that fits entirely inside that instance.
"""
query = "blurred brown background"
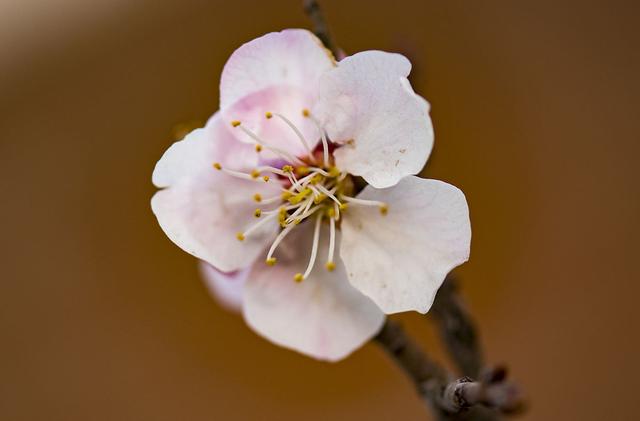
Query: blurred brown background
(535, 105)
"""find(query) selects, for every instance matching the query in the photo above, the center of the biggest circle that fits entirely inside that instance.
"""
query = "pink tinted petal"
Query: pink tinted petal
(226, 287)
(196, 153)
(203, 214)
(288, 101)
(323, 316)
(293, 57)
(399, 260)
(368, 104)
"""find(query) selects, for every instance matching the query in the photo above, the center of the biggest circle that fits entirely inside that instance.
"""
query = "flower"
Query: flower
(300, 195)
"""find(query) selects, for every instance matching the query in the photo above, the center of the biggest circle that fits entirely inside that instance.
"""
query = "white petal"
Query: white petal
(293, 57)
(203, 214)
(323, 316)
(401, 259)
(368, 104)
(225, 287)
(196, 153)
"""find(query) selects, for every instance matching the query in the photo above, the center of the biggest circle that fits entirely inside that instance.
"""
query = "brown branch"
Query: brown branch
(461, 399)
(457, 329)
(320, 27)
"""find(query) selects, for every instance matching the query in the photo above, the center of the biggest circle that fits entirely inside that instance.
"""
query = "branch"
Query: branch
(457, 329)
(320, 27)
(461, 399)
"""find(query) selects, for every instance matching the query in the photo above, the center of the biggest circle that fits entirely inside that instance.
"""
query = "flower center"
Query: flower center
(312, 188)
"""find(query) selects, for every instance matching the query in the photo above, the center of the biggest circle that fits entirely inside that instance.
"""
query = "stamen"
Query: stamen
(257, 213)
(271, 261)
(314, 250)
(257, 197)
(282, 153)
(384, 208)
(237, 174)
(278, 239)
(257, 225)
(323, 136)
(332, 243)
(240, 236)
(319, 170)
(329, 193)
(297, 132)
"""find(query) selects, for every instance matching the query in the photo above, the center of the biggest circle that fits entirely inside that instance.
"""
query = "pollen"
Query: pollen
(319, 198)
(302, 170)
(330, 266)
(287, 168)
(268, 114)
(331, 212)
(271, 261)
(298, 277)
(295, 199)
(257, 213)
(235, 123)
(258, 147)
(334, 172)
(343, 206)
(240, 236)
(384, 209)
(257, 197)
(316, 179)
(255, 174)
(217, 166)
(286, 195)
(306, 113)
(265, 178)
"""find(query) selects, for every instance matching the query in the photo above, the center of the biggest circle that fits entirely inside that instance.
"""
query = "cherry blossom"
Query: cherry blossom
(300, 196)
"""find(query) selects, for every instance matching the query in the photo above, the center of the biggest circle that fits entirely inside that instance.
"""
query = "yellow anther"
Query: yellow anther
(271, 261)
(240, 236)
(265, 178)
(287, 168)
(268, 114)
(302, 170)
(330, 266)
(235, 123)
(294, 200)
(384, 209)
(286, 195)
(334, 172)
(257, 197)
(331, 212)
(306, 113)
(258, 147)
(257, 213)
(282, 217)
(319, 198)
(343, 206)
(217, 166)
(296, 221)
(255, 174)
(316, 179)
(298, 277)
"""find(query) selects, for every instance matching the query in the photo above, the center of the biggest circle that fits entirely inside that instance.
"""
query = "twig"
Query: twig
(320, 27)
(457, 329)
(461, 399)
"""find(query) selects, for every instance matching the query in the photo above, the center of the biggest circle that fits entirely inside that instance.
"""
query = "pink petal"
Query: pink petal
(293, 57)
(368, 104)
(288, 101)
(196, 153)
(226, 287)
(323, 316)
(399, 260)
